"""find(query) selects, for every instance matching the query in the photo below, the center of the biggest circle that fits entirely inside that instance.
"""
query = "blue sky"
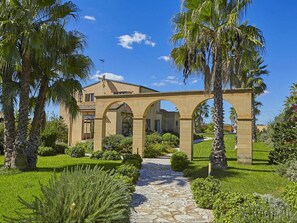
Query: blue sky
(133, 37)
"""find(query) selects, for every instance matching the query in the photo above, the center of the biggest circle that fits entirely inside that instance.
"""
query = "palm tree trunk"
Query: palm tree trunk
(21, 136)
(218, 157)
(254, 127)
(9, 119)
(36, 125)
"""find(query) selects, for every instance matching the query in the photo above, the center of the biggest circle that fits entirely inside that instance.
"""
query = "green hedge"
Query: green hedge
(179, 161)
(46, 151)
(76, 151)
(129, 171)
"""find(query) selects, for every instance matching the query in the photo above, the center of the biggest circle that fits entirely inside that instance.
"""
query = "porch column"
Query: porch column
(138, 136)
(186, 136)
(99, 133)
(244, 141)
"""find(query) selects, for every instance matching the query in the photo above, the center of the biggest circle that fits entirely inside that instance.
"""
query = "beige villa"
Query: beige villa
(119, 116)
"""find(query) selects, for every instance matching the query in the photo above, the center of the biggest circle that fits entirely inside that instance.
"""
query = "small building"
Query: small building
(119, 115)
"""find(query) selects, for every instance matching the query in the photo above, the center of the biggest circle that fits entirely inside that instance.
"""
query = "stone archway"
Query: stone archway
(186, 102)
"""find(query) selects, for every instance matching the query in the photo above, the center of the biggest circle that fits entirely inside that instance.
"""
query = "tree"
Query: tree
(208, 34)
(202, 111)
(233, 118)
(23, 27)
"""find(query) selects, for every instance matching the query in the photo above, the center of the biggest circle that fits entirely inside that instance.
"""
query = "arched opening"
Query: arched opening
(118, 127)
(162, 128)
(203, 130)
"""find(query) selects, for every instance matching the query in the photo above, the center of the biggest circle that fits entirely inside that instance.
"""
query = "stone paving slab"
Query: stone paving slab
(162, 195)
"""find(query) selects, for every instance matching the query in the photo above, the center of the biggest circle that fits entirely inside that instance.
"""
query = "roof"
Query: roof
(121, 82)
(114, 106)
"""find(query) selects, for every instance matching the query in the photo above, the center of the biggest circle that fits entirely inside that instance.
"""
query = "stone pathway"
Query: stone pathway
(163, 195)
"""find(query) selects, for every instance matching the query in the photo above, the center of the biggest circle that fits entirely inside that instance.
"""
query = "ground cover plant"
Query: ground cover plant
(26, 184)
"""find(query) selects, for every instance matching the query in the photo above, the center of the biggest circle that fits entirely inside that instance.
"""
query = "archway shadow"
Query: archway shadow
(137, 200)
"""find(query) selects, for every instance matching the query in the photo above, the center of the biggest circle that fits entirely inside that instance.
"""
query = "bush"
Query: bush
(288, 170)
(60, 147)
(111, 155)
(164, 148)
(170, 139)
(179, 161)
(76, 197)
(197, 136)
(133, 157)
(46, 151)
(205, 191)
(125, 179)
(97, 155)
(282, 155)
(133, 162)
(113, 142)
(48, 139)
(153, 138)
(151, 152)
(126, 144)
(129, 171)
(87, 146)
(76, 151)
(290, 195)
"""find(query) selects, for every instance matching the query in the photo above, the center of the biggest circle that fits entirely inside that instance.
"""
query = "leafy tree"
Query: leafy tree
(209, 35)
(202, 111)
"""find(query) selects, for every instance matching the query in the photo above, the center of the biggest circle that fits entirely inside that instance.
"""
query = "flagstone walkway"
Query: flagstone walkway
(163, 195)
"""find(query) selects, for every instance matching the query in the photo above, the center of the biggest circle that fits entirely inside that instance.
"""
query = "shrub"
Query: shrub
(97, 155)
(60, 147)
(153, 138)
(288, 170)
(113, 142)
(133, 162)
(170, 139)
(151, 152)
(205, 191)
(87, 146)
(290, 195)
(282, 155)
(76, 197)
(76, 151)
(1, 138)
(179, 161)
(46, 151)
(125, 179)
(197, 136)
(129, 171)
(126, 144)
(164, 148)
(133, 157)
(111, 155)
(48, 139)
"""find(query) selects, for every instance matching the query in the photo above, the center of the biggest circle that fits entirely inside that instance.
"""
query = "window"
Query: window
(89, 97)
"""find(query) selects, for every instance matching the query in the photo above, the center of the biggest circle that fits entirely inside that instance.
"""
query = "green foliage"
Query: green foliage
(126, 179)
(282, 155)
(132, 157)
(60, 147)
(170, 139)
(97, 155)
(288, 170)
(151, 152)
(111, 155)
(77, 151)
(49, 139)
(197, 136)
(86, 145)
(153, 138)
(290, 195)
(76, 197)
(164, 148)
(46, 151)
(209, 128)
(113, 142)
(126, 144)
(205, 191)
(133, 162)
(129, 171)
(1, 138)
(179, 161)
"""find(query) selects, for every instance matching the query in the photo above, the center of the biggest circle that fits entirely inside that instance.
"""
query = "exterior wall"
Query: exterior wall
(170, 121)
(111, 123)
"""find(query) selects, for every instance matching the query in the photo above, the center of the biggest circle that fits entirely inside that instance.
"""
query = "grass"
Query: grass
(257, 178)
(26, 184)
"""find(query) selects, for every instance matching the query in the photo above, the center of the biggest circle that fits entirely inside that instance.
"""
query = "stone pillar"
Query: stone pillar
(186, 137)
(244, 141)
(138, 136)
(99, 133)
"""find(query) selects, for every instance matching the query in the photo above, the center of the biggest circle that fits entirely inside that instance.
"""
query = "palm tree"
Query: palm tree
(62, 68)
(202, 111)
(21, 39)
(233, 118)
(207, 34)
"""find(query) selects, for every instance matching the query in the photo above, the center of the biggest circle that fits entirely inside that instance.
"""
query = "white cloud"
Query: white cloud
(171, 77)
(165, 58)
(109, 76)
(194, 81)
(126, 41)
(88, 17)
(169, 80)
(158, 84)
(266, 92)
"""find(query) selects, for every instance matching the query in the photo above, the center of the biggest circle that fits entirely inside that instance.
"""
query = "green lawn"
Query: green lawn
(259, 177)
(26, 184)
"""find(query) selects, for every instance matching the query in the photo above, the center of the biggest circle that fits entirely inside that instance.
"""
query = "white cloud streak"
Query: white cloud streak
(91, 18)
(126, 41)
(165, 58)
(109, 76)
(169, 80)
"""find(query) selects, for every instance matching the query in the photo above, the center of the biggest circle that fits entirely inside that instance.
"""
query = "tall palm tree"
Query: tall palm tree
(233, 118)
(207, 32)
(59, 70)
(202, 111)
(21, 38)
